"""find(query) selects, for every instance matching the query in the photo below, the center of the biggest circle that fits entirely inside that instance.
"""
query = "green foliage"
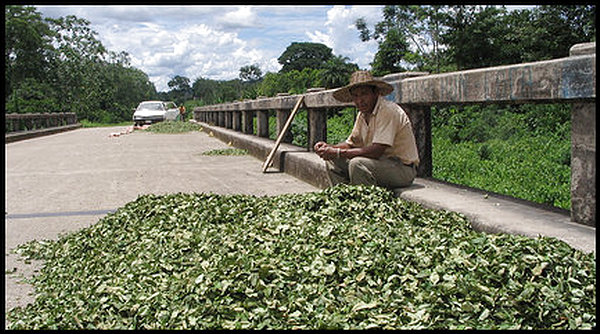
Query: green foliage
(87, 124)
(336, 72)
(180, 89)
(339, 125)
(208, 91)
(456, 37)
(390, 54)
(299, 56)
(27, 43)
(347, 257)
(58, 65)
(292, 82)
(523, 152)
(250, 73)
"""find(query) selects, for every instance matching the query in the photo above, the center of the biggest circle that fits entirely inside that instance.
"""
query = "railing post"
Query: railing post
(236, 120)
(420, 118)
(583, 163)
(317, 126)
(262, 123)
(247, 118)
(583, 152)
(228, 119)
(282, 116)
(317, 123)
(221, 118)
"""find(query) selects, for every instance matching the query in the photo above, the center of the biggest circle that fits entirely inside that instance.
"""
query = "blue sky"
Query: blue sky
(214, 42)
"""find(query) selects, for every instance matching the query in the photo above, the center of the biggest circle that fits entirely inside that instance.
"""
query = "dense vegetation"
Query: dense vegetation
(58, 65)
(348, 257)
(522, 151)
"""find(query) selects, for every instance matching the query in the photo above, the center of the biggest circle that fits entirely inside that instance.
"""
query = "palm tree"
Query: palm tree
(337, 71)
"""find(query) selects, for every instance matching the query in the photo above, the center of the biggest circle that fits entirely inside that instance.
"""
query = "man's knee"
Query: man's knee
(361, 172)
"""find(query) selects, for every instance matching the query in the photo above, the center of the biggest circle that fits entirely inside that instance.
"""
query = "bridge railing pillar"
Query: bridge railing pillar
(236, 120)
(317, 126)
(282, 116)
(228, 120)
(248, 121)
(262, 123)
(420, 118)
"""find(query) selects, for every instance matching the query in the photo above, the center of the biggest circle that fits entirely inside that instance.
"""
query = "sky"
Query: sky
(214, 42)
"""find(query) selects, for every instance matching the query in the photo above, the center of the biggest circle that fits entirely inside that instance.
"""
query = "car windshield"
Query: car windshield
(151, 106)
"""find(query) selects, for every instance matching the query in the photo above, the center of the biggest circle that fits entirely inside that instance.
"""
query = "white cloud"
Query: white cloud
(243, 17)
(216, 41)
(342, 36)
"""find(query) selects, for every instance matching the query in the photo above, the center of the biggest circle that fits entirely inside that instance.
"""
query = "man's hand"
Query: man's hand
(325, 151)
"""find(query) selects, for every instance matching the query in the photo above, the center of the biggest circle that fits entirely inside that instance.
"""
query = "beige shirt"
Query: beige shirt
(388, 125)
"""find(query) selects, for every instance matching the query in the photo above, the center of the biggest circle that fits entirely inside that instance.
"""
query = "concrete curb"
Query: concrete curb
(487, 212)
(22, 135)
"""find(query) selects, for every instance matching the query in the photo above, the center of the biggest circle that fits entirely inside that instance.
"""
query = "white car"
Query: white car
(155, 111)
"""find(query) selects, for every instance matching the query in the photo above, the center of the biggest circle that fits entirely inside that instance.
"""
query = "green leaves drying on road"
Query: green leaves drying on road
(226, 151)
(346, 257)
(173, 127)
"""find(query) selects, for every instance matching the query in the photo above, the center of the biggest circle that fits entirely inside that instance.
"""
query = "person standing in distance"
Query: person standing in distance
(381, 150)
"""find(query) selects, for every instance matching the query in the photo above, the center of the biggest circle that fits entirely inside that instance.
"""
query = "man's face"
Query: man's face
(364, 98)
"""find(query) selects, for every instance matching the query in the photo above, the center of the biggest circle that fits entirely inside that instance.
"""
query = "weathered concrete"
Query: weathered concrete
(583, 163)
(487, 212)
(22, 135)
(583, 152)
(54, 179)
(565, 79)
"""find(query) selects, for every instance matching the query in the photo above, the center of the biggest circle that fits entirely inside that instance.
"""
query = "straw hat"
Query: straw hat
(362, 78)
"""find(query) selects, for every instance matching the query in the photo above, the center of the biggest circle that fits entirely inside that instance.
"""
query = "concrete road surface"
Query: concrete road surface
(64, 182)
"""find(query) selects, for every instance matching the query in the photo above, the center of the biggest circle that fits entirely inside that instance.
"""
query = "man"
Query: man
(381, 149)
(182, 113)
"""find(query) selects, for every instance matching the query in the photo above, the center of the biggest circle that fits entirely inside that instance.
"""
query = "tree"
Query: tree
(205, 90)
(58, 65)
(299, 56)
(400, 25)
(474, 36)
(27, 46)
(392, 51)
(551, 30)
(250, 73)
(444, 38)
(336, 72)
(180, 89)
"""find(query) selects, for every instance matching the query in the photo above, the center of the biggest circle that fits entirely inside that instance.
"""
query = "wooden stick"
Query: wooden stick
(269, 160)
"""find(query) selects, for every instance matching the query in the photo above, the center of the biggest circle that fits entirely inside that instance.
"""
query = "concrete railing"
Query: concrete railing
(23, 126)
(565, 80)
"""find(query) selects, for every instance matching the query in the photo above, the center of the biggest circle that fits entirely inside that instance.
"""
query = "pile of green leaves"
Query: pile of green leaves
(226, 151)
(173, 127)
(343, 258)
